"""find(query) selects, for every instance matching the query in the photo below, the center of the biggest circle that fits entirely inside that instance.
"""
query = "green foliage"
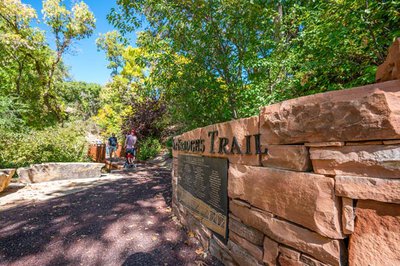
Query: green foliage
(149, 148)
(33, 91)
(11, 113)
(212, 61)
(81, 98)
(169, 144)
(31, 72)
(113, 44)
(53, 144)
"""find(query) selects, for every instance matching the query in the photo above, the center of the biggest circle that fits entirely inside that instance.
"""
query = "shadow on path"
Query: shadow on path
(123, 222)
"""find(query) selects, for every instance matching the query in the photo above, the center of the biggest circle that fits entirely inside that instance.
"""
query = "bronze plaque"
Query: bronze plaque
(202, 188)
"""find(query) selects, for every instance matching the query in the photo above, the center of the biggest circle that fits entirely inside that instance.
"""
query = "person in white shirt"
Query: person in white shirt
(130, 146)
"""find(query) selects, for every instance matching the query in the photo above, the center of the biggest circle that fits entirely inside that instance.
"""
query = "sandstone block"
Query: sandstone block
(360, 114)
(290, 157)
(58, 171)
(385, 190)
(174, 179)
(235, 140)
(391, 142)
(175, 153)
(179, 212)
(362, 143)
(241, 203)
(253, 250)
(286, 261)
(9, 171)
(231, 216)
(324, 249)
(271, 251)
(374, 161)
(303, 198)
(376, 237)
(390, 69)
(221, 252)
(252, 235)
(5, 178)
(347, 216)
(325, 144)
(290, 253)
(241, 256)
(4, 181)
(202, 233)
(309, 261)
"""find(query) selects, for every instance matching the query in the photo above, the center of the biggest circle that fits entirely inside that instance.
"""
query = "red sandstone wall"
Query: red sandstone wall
(326, 193)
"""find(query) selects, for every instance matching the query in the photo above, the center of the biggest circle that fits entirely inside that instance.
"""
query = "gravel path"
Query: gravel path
(126, 221)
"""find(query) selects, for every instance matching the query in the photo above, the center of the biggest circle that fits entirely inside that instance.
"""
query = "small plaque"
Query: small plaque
(202, 188)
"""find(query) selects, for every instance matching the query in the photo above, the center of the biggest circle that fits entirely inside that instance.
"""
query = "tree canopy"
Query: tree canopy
(215, 60)
(29, 69)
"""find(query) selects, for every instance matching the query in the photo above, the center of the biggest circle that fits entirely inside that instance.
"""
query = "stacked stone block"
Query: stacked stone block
(327, 192)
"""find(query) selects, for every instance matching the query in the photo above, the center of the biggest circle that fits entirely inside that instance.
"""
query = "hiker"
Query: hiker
(130, 144)
(112, 145)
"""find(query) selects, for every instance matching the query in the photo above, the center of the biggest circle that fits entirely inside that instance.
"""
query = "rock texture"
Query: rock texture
(325, 144)
(390, 69)
(271, 251)
(5, 178)
(286, 261)
(174, 180)
(253, 250)
(347, 215)
(4, 181)
(376, 237)
(307, 260)
(241, 256)
(324, 249)
(290, 253)
(391, 142)
(221, 252)
(58, 171)
(202, 233)
(290, 157)
(371, 160)
(304, 198)
(252, 235)
(385, 190)
(364, 113)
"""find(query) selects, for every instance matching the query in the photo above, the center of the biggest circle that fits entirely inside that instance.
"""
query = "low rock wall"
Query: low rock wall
(311, 181)
(58, 171)
(5, 178)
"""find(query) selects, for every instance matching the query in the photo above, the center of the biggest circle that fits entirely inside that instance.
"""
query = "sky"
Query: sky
(86, 63)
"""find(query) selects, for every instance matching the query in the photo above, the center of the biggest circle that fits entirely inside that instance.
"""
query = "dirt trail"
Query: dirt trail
(122, 219)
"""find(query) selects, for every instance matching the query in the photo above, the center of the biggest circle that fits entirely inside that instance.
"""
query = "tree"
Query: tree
(24, 54)
(253, 53)
(31, 72)
(67, 26)
(113, 43)
(82, 98)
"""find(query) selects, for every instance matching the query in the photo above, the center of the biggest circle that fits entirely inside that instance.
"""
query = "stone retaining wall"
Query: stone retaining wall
(311, 181)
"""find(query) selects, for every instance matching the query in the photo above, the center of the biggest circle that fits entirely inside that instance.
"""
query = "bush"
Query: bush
(53, 144)
(149, 148)
(169, 144)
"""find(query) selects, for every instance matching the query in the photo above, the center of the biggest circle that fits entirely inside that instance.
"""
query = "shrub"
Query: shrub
(169, 144)
(149, 148)
(52, 144)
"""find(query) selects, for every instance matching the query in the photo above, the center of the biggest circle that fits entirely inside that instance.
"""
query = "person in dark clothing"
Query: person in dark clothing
(112, 146)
